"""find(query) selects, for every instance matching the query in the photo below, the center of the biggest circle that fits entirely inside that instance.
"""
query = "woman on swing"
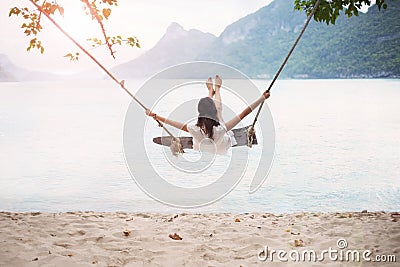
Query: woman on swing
(210, 132)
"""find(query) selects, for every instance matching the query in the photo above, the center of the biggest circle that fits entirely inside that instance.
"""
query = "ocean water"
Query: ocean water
(337, 149)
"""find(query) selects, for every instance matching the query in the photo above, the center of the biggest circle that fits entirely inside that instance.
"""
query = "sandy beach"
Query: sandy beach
(189, 239)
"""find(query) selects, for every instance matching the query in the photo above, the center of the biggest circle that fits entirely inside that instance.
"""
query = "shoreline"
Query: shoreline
(217, 239)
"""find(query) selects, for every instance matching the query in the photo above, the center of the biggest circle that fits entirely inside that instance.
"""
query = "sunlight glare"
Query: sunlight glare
(77, 23)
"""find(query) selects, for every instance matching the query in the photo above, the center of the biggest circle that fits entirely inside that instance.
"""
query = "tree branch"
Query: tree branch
(95, 15)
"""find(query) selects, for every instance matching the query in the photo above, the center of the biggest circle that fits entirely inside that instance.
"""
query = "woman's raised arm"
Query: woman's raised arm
(176, 124)
(233, 122)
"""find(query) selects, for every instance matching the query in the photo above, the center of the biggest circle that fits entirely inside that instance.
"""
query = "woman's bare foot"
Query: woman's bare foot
(218, 82)
(210, 88)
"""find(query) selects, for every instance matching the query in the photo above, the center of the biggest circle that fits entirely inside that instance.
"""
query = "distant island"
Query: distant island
(9, 72)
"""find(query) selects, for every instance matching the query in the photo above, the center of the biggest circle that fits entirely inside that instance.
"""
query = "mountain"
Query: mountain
(6, 69)
(364, 46)
(256, 43)
(10, 72)
(176, 46)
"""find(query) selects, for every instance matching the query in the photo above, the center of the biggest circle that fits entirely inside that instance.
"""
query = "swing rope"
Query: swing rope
(176, 146)
(250, 130)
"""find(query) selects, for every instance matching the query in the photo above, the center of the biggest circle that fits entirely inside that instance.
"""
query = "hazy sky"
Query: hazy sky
(146, 19)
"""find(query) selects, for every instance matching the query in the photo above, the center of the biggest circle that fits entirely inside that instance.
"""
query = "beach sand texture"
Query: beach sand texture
(221, 239)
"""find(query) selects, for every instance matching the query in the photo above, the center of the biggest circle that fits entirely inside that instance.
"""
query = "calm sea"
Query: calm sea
(337, 149)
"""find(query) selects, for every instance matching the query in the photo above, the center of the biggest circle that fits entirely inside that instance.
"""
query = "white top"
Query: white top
(221, 142)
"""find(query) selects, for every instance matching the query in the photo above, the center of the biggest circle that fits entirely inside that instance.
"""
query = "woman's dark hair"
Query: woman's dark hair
(208, 116)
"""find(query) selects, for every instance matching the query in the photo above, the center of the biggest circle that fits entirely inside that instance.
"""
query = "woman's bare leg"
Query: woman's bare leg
(218, 99)
(210, 88)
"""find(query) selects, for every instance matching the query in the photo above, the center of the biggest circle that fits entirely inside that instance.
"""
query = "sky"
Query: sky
(146, 19)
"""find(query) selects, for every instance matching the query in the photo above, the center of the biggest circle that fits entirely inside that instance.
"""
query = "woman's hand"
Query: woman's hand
(150, 113)
(266, 95)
